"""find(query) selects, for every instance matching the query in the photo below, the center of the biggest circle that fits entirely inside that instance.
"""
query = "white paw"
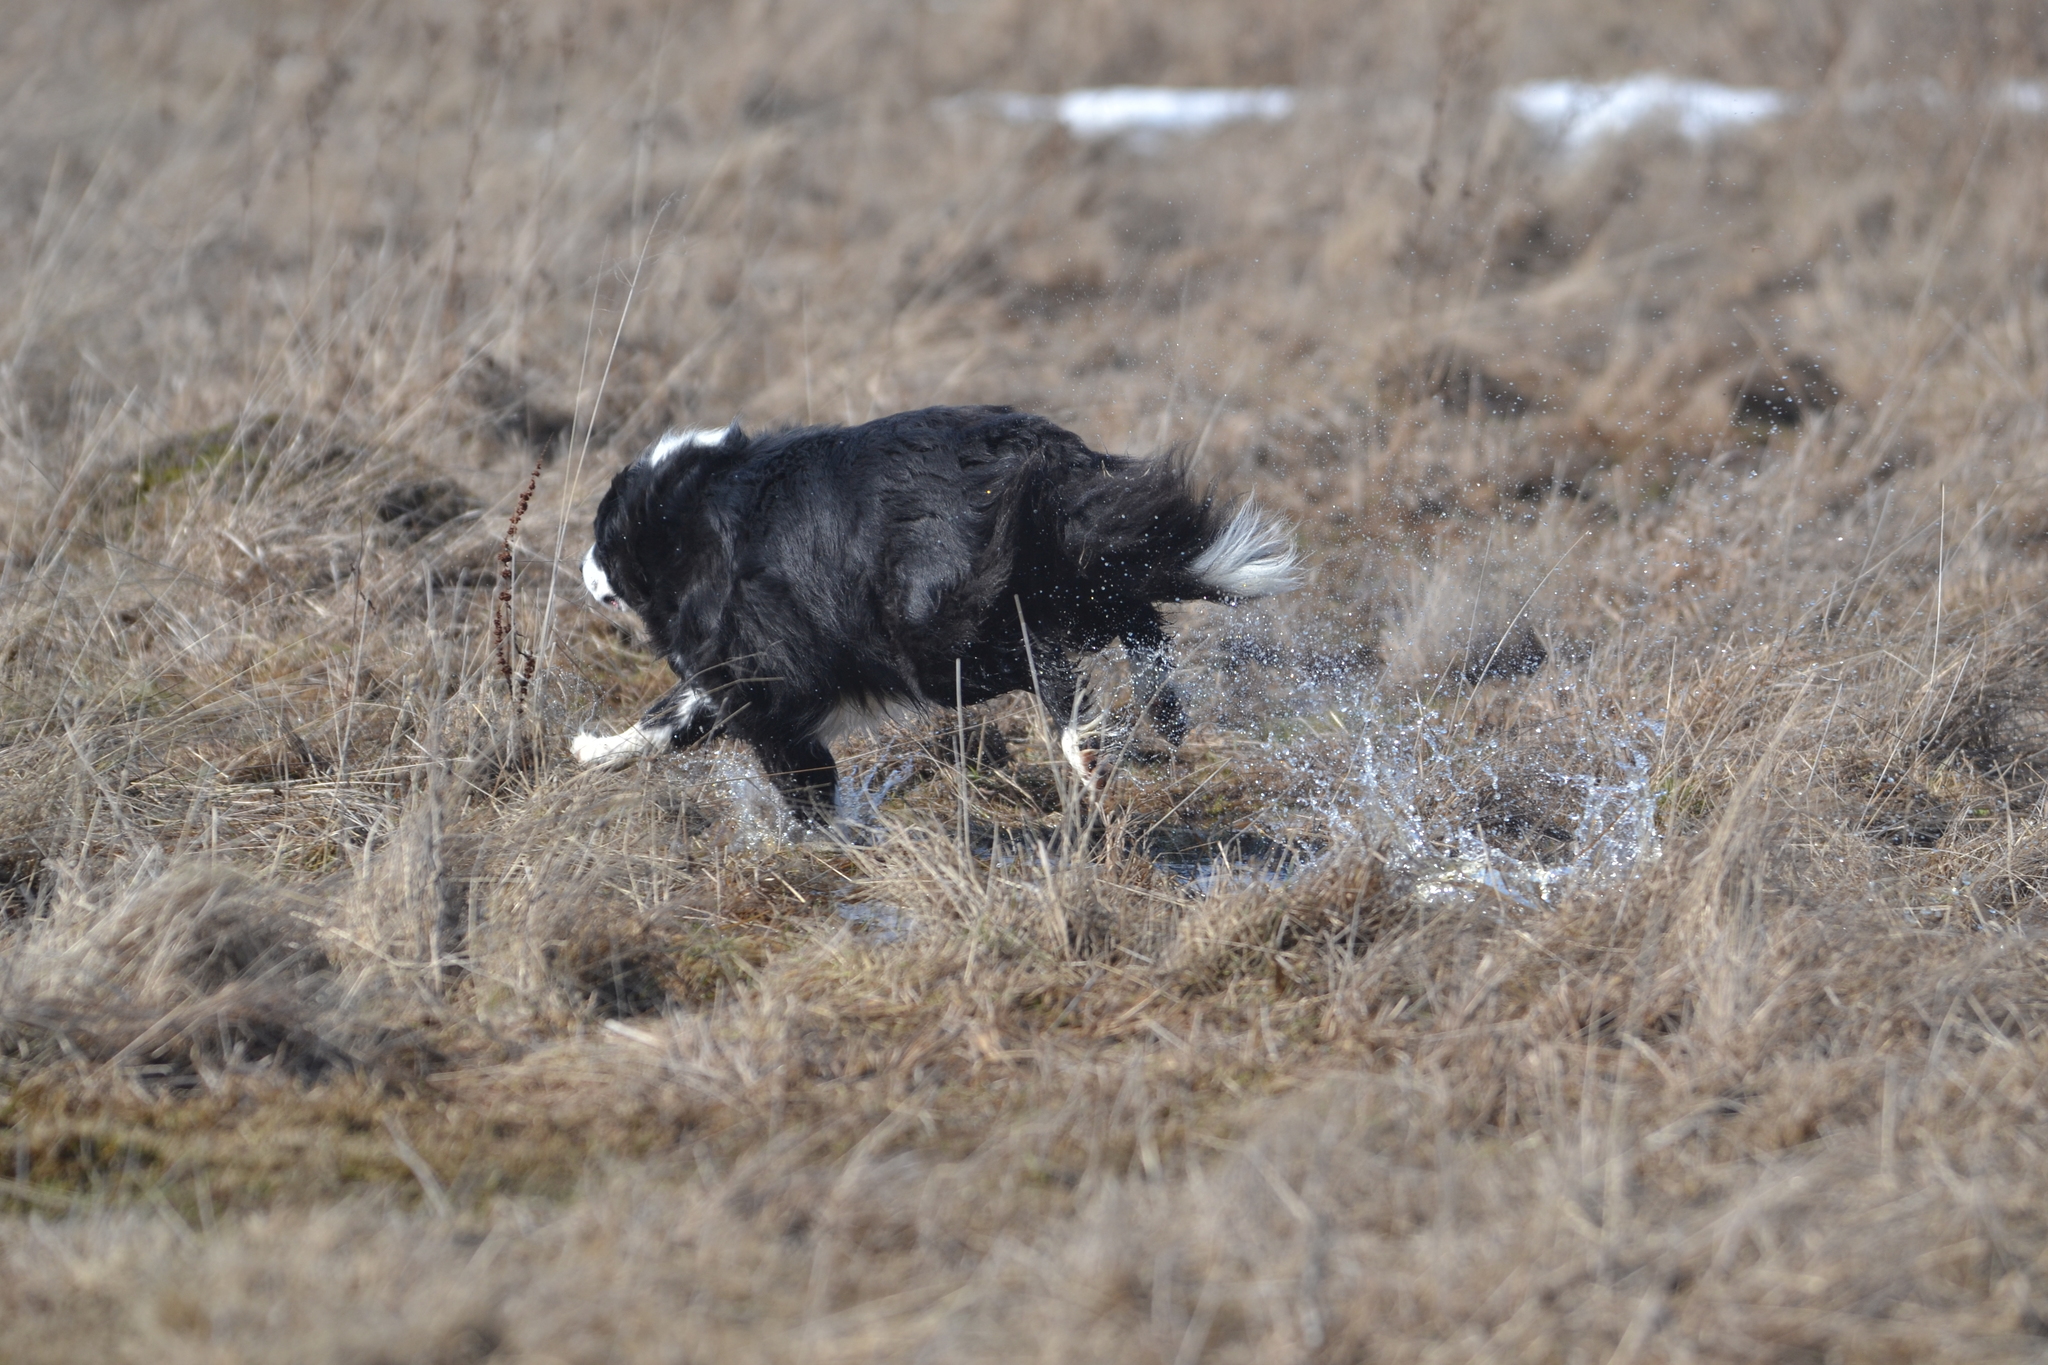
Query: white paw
(1084, 759)
(591, 748)
(613, 750)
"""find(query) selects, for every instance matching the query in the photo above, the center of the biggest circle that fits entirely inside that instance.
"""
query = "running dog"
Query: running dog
(811, 581)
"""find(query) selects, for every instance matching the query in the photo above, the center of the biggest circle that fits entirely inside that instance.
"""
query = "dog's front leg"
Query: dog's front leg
(1063, 694)
(803, 771)
(680, 718)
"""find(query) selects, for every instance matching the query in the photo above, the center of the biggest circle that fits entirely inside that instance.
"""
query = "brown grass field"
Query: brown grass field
(1602, 916)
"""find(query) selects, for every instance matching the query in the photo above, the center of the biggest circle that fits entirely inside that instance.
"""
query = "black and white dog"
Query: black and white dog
(805, 583)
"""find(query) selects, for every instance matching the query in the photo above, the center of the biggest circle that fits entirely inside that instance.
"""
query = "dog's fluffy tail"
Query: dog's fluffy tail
(1134, 528)
(1253, 556)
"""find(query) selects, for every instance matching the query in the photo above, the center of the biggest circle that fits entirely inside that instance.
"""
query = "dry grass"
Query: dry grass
(342, 1019)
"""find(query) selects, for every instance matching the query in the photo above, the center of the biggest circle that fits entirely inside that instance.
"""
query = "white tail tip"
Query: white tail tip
(1254, 557)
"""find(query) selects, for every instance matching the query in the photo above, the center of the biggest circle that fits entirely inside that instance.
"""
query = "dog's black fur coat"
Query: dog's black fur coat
(797, 580)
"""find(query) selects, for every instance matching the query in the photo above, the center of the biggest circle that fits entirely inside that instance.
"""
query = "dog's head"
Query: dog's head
(633, 542)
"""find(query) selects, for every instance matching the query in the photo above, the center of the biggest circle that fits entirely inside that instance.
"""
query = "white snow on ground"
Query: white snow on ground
(1140, 110)
(2018, 97)
(2024, 97)
(1134, 109)
(1893, 96)
(1579, 113)
(1575, 115)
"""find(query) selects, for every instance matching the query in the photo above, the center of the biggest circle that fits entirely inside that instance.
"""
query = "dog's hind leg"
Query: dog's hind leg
(803, 771)
(1150, 650)
(680, 718)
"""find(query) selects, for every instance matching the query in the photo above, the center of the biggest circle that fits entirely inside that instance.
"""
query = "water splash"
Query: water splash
(882, 921)
(1527, 817)
(1613, 830)
(754, 815)
(727, 779)
(1526, 822)
(864, 787)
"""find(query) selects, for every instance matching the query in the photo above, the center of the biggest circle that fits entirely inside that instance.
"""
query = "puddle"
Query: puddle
(1525, 819)
(1526, 822)
(1208, 861)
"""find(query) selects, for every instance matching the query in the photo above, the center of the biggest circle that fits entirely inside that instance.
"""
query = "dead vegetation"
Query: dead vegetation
(342, 1018)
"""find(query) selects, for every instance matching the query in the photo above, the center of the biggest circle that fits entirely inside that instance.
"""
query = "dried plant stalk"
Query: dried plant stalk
(504, 636)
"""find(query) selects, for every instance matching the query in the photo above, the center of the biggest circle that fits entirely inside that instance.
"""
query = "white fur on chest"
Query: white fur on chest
(854, 716)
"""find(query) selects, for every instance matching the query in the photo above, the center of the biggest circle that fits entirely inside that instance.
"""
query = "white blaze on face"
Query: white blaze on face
(595, 582)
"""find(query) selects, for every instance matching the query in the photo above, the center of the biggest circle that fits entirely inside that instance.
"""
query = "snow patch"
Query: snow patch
(1576, 115)
(2023, 97)
(1137, 111)
(1579, 114)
